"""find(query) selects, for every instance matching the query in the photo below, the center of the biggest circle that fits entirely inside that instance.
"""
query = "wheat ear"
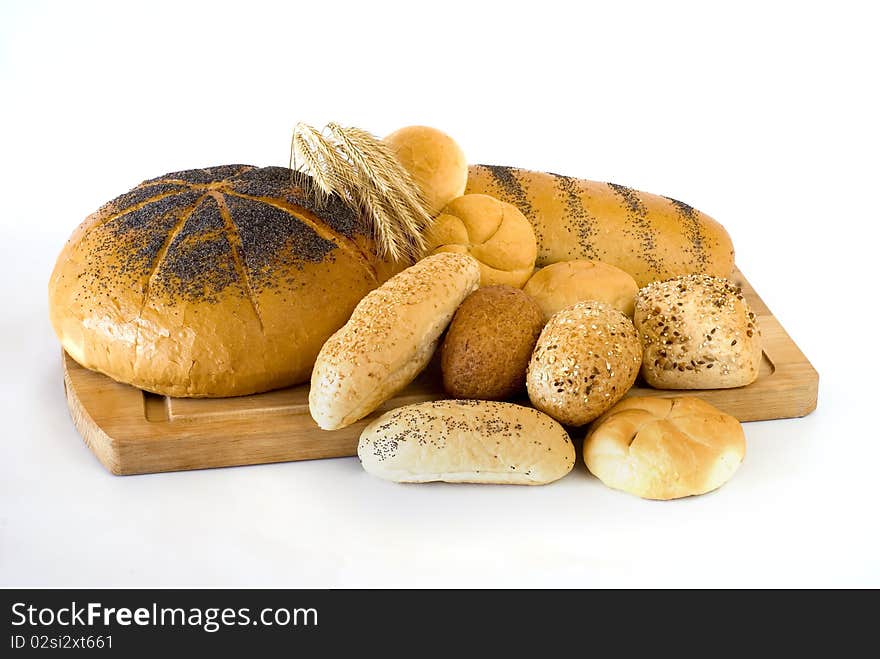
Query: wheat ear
(362, 170)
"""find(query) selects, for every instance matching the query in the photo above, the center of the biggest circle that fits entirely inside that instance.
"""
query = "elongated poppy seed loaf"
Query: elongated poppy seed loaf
(649, 236)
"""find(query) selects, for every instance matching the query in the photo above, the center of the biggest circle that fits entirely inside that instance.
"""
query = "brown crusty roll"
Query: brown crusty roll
(664, 448)
(586, 359)
(697, 332)
(490, 340)
(466, 441)
(211, 282)
(389, 339)
(649, 236)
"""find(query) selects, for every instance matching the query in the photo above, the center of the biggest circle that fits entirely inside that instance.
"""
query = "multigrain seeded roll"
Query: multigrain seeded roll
(389, 339)
(466, 441)
(487, 348)
(586, 359)
(697, 332)
(664, 448)
(222, 281)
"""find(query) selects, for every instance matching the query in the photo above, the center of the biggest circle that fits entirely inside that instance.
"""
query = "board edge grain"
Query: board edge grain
(112, 417)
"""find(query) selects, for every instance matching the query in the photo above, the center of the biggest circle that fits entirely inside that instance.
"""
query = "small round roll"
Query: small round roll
(586, 359)
(493, 232)
(436, 163)
(487, 347)
(466, 441)
(561, 285)
(664, 448)
(697, 332)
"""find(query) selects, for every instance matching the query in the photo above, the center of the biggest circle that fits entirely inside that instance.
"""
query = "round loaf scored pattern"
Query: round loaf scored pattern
(211, 282)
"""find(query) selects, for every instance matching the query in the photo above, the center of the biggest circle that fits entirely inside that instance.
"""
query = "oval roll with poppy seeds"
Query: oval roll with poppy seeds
(466, 441)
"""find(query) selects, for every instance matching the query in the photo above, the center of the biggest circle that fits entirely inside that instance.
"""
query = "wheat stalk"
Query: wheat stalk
(363, 171)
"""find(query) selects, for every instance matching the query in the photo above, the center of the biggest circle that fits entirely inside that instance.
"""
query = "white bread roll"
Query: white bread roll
(389, 339)
(466, 441)
(664, 448)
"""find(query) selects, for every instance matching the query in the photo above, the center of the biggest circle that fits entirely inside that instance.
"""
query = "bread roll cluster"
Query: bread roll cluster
(577, 335)
(228, 280)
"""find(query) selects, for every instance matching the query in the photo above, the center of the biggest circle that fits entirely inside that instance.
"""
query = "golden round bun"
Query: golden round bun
(697, 332)
(210, 282)
(586, 359)
(487, 347)
(466, 441)
(664, 448)
(434, 160)
(493, 232)
(561, 285)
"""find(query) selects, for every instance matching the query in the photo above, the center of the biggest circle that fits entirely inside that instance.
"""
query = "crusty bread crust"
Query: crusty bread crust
(560, 285)
(493, 232)
(434, 160)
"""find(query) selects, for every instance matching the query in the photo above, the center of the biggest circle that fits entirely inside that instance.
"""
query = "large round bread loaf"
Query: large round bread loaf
(211, 282)
(651, 237)
(664, 448)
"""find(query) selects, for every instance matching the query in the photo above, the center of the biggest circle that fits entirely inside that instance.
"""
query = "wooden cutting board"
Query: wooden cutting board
(134, 432)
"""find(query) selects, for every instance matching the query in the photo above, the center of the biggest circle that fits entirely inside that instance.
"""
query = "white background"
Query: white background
(764, 115)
